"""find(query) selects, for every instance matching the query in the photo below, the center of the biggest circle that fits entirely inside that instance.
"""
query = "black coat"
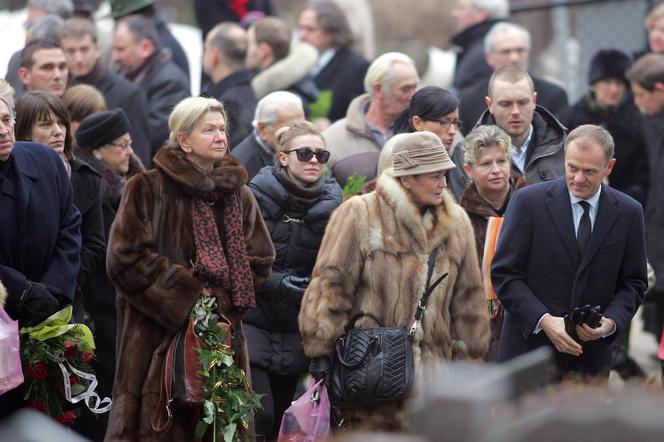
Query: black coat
(87, 198)
(537, 269)
(252, 155)
(625, 124)
(654, 137)
(341, 80)
(271, 328)
(472, 104)
(120, 92)
(40, 238)
(164, 85)
(239, 100)
(99, 296)
(471, 64)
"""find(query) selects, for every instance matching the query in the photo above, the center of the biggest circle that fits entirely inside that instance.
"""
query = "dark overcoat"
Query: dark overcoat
(537, 269)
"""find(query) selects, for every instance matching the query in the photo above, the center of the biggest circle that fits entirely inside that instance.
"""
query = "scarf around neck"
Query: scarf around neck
(301, 198)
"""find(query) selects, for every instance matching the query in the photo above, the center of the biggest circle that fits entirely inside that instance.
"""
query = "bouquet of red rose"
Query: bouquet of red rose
(56, 359)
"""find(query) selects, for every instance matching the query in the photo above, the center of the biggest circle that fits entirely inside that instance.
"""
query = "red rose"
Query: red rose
(38, 405)
(67, 417)
(70, 349)
(73, 380)
(86, 356)
(38, 371)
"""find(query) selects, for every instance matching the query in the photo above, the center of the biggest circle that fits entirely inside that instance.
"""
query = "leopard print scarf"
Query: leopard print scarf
(223, 264)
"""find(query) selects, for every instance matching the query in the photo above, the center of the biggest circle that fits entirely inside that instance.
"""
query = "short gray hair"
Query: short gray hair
(482, 137)
(63, 8)
(267, 109)
(594, 133)
(503, 28)
(380, 70)
(7, 95)
(45, 27)
(494, 8)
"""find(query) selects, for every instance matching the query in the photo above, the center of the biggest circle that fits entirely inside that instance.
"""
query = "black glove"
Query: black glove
(292, 287)
(582, 315)
(321, 368)
(36, 304)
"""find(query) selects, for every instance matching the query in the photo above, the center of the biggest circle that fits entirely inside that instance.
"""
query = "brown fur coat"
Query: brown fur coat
(373, 258)
(149, 260)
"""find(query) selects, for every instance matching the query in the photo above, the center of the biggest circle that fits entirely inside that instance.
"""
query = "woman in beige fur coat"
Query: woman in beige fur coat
(374, 257)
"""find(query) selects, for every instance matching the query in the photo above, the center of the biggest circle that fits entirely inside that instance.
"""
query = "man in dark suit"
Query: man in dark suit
(339, 71)
(40, 239)
(507, 44)
(568, 243)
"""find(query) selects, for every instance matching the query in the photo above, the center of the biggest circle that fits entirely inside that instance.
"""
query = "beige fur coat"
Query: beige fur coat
(373, 258)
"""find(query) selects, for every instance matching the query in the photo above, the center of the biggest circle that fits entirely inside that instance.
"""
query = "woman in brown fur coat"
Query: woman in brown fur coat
(487, 151)
(175, 226)
(374, 257)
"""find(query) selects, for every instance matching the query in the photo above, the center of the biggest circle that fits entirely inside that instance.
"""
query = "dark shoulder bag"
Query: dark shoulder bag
(374, 366)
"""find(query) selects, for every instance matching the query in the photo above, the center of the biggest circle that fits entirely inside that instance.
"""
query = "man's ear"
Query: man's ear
(24, 75)
(260, 130)
(146, 47)
(489, 103)
(535, 98)
(659, 87)
(489, 59)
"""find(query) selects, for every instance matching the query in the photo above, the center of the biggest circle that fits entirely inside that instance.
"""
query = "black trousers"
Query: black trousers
(278, 391)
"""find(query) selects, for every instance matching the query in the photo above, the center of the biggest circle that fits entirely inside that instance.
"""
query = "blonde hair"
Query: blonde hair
(380, 71)
(482, 137)
(188, 112)
(653, 16)
(286, 134)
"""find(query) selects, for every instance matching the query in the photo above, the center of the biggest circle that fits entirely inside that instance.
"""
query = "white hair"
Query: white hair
(503, 28)
(380, 71)
(267, 109)
(494, 8)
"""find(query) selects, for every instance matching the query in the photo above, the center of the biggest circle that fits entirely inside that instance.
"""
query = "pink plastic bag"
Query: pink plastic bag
(11, 374)
(308, 418)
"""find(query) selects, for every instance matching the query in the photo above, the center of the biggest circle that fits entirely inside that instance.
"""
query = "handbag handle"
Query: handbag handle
(360, 315)
(339, 349)
(421, 306)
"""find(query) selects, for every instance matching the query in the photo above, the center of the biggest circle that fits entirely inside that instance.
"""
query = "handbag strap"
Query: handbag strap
(165, 395)
(421, 306)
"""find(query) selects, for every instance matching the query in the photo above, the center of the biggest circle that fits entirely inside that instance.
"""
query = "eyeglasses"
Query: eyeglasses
(447, 123)
(126, 145)
(305, 154)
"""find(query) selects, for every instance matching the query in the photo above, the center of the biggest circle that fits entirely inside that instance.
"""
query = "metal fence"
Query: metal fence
(566, 34)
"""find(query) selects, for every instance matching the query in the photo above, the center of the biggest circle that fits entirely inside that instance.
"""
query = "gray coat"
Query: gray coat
(546, 155)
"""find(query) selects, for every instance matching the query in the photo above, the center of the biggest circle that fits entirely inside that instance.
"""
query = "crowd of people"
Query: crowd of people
(129, 199)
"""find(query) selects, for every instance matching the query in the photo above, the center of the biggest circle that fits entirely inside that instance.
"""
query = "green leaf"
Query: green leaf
(354, 185)
(227, 360)
(229, 432)
(201, 428)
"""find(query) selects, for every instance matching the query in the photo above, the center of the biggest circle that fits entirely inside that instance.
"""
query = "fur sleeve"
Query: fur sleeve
(260, 250)
(328, 301)
(157, 287)
(469, 313)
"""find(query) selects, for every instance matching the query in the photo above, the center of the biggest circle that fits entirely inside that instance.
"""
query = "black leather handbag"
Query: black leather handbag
(374, 366)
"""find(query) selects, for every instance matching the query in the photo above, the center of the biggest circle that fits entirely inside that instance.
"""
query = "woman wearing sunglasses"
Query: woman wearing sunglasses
(296, 201)
(374, 258)
(43, 118)
(436, 110)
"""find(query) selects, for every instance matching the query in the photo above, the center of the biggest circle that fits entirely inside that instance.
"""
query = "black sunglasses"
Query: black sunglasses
(305, 154)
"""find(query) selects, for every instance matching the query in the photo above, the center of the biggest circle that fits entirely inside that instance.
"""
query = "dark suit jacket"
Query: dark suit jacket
(537, 270)
(343, 77)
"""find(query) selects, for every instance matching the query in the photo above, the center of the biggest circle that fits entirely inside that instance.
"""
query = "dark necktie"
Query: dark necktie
(583, 233)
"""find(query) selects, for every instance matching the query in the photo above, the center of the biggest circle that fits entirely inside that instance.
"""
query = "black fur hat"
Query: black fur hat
(609, 63)
(101, 128)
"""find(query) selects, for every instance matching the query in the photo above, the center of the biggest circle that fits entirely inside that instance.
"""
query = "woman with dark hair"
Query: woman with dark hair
(42, 117)
(436, 110)
(188, 228)
(296, 201)
(103, 141)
